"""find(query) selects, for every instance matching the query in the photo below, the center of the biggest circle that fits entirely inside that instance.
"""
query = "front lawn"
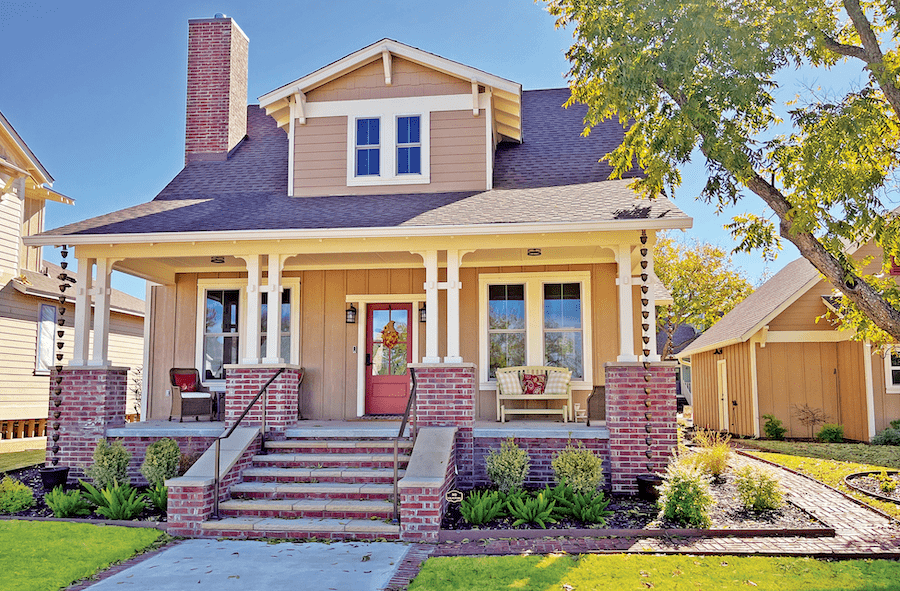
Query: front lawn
(21, 459)
(887, 456)
(640, 572)
(45, 556)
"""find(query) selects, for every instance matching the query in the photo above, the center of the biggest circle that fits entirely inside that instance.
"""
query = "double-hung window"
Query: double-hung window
(892, 369)
(562, 327)
(388, 148)
(506, 326)
(409, 145)
(368, 147)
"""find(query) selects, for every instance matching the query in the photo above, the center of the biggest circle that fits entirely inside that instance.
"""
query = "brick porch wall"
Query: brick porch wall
(423, 509)
(541, 452)
(640, 415)
(281, 398)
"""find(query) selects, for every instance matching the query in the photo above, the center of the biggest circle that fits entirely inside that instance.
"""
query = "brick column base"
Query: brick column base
(84, 401)
(640, 415)
(282, 396)
(445, 397)
(422, 508)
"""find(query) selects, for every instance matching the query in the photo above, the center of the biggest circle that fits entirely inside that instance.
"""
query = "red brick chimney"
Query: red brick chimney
(216, 88)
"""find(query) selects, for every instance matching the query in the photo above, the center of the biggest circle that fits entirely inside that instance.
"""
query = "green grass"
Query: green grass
(43, 556)
(860, 453)
(832, 473)
(641, 572)
(21, 459)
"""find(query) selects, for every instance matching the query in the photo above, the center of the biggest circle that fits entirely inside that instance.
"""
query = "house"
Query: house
(774, 353)
(29, 300)
(391, 188)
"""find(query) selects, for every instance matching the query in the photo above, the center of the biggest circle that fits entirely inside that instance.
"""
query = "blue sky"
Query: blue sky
(97, 88)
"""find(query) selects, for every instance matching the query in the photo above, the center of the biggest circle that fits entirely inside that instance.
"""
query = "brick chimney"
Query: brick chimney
(216, 88)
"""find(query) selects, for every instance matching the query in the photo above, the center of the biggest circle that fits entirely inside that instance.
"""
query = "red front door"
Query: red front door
(388, 353)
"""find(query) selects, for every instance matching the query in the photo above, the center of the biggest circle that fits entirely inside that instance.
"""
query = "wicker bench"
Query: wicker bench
(560, 388)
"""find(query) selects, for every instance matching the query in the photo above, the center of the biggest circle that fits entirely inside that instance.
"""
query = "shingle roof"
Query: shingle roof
(552, 177)
(759, 307)
(38, 284)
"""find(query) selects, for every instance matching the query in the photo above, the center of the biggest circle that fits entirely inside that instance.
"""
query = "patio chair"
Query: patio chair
(189, 395)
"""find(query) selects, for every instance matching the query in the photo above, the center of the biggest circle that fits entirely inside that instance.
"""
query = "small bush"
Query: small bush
(121, 502)
(895, 424)
(92, 494)
(508, 467)
(186, 461)
(886, 482)
(684, 495)
(159, 496)
(712, 455)
(481, 507)
(67, 504)
(887, 437)
(537, 509)
(579, 468)
(161, 461)
(110, 465)
(758, 489)
(831, 434)
(14, 496)
(774, 428)
(590, 508)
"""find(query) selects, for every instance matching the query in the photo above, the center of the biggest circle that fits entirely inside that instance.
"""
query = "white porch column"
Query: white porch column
(101, 293)
(626, 309)
(453, 289)
(651, 319)
(82, 319)
(273, 317)
(250, 350)
(431, 304)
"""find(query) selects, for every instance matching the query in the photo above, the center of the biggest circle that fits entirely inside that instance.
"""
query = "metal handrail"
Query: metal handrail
(262, 391)
(410, 405)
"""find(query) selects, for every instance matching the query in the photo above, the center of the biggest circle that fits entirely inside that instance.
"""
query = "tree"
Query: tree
(703, 282)
(701, 74)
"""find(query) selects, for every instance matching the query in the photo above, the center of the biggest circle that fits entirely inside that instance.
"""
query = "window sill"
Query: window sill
(375, 181)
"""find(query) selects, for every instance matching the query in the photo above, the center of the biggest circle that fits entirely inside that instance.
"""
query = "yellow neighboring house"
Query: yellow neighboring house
(29, 301)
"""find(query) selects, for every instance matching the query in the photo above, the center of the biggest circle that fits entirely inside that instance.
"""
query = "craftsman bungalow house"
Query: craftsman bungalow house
(391, 186)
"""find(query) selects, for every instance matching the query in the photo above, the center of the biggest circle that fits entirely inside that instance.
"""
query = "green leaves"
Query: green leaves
(537, 509)
(482, 507)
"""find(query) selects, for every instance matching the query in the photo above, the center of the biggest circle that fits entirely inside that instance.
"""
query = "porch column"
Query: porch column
(101, 293)
(626, 309)
(251, 342)
(651, 308)
(431, 303)
(82, 320)
(453, 289)
(273, 317)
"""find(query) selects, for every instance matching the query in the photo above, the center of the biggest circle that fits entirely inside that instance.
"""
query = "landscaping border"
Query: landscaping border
(884, 498)
(160, 525)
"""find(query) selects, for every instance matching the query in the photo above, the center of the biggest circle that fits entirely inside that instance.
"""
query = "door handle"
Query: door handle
(368, 359)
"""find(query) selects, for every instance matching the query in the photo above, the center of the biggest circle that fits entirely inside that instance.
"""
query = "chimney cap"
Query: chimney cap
(220, 15)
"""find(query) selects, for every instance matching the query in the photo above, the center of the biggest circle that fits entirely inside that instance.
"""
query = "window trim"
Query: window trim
(388, 155)
(357, 147)
(38, 370)
(890, 388)
(534, 320)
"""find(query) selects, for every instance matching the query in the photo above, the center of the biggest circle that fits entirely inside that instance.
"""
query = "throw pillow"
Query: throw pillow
(533, 384)
(186, 381)
(509, 383)
(557, 382)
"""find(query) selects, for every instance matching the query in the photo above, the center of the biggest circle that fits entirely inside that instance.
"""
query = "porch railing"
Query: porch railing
(260, 394)
(410, 408)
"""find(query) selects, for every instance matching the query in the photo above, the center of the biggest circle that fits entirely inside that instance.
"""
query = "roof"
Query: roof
(47, 286)
(759, 308)
(38, 188)
(552, 178)
(26, 151)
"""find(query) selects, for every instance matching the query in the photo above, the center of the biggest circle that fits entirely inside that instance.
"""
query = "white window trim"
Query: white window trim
(888, 387)
(388, 146)
(38, 370)
(534, 320)
(292, 283)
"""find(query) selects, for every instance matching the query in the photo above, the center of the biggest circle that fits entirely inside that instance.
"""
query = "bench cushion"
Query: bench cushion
(533, 384)
(509, 382)
(557, 382)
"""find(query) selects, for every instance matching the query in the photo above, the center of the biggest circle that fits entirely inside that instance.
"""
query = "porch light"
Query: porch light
(217, 260)
(534, 252)
(422, 314)
(351, 315)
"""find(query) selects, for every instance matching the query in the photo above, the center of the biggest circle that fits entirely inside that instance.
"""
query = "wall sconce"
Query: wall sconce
(422, 315)
(534, 252)
(351, 315)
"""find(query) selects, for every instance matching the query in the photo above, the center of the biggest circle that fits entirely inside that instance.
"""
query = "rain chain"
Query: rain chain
(645, 337)
(65, 283)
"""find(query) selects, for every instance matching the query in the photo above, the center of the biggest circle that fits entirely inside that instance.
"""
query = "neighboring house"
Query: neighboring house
(29, 299)
(770, 355)
(391, 185)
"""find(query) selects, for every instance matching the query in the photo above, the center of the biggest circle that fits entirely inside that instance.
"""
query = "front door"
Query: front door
(388, 353)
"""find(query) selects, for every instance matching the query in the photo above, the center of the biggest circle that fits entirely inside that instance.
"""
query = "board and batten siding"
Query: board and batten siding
(705, 389)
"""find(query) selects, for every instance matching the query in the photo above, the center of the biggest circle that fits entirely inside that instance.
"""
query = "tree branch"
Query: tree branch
(873, 57)
(845, 50)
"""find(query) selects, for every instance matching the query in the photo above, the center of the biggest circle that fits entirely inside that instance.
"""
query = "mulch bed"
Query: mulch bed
(872, 485)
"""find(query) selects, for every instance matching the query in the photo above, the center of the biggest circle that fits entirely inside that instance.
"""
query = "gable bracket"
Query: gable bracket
(298, 107)
(474, 97)
(386, 58)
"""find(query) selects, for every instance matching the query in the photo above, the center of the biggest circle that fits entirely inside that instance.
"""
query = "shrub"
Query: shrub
(92, 494)
(887, 437)
(110, 464)
(481, 507)
(774, 428)
(831, 434)
(579, 468)
(67, 504)
(712, 454)
(161, 461)
(121, 502)
(684, 495)
(508, 467)
(186, 461)
(159, 496)
(758, 489)
(14, 496)
(591, 508)
(537, 509)
(895, 424)
(886, 482)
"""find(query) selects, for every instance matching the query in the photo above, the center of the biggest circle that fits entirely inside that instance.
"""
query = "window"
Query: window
(409, 147)
(285, 352)
(44, 360)
(892, 369)
(535, 319)
(368, 150)
(221, 332)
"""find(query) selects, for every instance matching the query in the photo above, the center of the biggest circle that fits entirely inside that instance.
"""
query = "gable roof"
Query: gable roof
(554, 178)
(47, 286)
(34, 169)
(506, 93)
(758, 309)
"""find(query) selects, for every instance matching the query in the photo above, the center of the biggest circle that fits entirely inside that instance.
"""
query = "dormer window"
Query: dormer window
(388, 145)
(368, 147)
(409, 147)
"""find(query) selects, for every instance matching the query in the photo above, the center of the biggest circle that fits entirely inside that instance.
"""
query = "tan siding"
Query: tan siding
(458, 151)
(312, 352)
(887, 405)
(605, 315)
(704, 387)
(163, 313)
(852, 390)
(407, 79)
(32, 223)
(335, 347)
(320, 156)
(802, 314)
(10, 227)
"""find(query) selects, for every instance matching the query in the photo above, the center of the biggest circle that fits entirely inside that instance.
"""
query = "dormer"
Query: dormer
(390, 119)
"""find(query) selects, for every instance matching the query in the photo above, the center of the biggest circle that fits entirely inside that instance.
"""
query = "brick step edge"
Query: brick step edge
(530, 534)
(386, 513)
(292, 535)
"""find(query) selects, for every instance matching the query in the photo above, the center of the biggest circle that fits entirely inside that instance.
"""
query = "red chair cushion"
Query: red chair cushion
(533, 384)
(186, 381)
